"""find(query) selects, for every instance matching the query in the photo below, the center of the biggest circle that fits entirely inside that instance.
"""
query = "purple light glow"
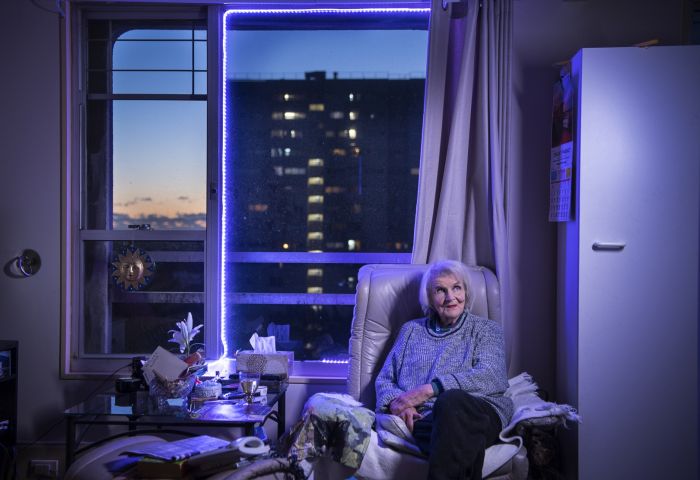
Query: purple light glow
(327, 11)
(335, 362)
(227, 176)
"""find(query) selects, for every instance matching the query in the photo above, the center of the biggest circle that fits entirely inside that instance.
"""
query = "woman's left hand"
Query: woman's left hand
(411, 398)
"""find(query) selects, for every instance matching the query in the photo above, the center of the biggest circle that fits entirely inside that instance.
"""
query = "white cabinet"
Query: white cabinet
(628, 319)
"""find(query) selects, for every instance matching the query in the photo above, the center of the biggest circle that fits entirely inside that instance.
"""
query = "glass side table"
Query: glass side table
(140, 413)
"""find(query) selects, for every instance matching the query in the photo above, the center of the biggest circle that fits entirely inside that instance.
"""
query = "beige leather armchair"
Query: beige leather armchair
(387, 296)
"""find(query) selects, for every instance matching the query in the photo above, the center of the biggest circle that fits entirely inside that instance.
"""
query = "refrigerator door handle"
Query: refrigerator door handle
(608, 246)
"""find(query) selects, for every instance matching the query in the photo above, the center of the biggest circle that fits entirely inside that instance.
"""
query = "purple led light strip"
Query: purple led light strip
(225, 174)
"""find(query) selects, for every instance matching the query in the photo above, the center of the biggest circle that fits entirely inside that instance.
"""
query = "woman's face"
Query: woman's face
(447, 295)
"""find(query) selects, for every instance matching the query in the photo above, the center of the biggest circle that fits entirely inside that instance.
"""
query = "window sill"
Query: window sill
(318, 372)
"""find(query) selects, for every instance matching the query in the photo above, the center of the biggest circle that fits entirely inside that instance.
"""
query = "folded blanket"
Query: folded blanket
(527, 406)
(335, 425)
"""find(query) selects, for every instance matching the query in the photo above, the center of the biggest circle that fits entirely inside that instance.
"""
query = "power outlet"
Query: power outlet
(43, 469)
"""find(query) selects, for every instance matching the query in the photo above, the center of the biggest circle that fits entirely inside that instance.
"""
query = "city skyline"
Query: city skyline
(319, 165)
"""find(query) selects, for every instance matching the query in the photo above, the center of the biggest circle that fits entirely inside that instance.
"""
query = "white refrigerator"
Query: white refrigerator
(627, 299)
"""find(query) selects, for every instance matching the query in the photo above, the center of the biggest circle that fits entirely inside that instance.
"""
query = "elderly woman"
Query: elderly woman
(445, 377)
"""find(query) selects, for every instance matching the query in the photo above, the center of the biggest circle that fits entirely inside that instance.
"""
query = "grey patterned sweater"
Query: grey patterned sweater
(470, 356)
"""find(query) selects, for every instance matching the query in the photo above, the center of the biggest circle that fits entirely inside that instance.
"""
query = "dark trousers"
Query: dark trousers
(456, 434)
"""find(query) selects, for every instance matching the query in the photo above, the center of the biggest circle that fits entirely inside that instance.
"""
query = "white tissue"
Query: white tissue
(263, 344)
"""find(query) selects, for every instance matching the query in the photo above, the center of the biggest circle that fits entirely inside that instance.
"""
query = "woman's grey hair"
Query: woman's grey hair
(438, 269)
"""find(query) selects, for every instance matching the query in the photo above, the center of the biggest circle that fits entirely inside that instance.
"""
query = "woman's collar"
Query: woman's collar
(434, 323)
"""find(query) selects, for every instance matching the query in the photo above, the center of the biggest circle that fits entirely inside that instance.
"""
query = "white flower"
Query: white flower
(186, 333)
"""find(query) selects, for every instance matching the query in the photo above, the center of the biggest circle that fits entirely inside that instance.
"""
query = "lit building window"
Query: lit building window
(353, 115)
(287, 151)
(257, 207)
(315, 272)
(316, 107)
(281, 171)
(351, 97)
(335, 189)
(315, 181)
(352, 133)
(337, 115)
(315, 198)
(294, 115)
(414, 171)
(352, 244)
(315, 162)
(314, 236)
(278, 115)
(315, 217)
(314, 290)
(355, 151)
(289, 96)
(282, 133)
(339, 152)
(285, 246)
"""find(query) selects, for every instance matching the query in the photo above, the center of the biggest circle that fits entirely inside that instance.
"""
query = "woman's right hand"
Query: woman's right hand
(409, 416)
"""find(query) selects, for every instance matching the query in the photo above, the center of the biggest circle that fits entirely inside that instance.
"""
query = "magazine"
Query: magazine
(179, 449)
(234, 412)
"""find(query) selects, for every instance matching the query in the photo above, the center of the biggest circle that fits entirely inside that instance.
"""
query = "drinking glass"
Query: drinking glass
(249, 384)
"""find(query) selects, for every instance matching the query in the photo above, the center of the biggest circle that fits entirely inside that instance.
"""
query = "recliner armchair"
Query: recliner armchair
(387, 296)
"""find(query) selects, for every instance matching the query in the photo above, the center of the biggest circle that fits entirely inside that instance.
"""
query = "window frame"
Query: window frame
(75, 363)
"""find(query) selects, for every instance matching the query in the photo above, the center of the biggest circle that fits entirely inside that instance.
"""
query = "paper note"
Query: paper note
(164, 365)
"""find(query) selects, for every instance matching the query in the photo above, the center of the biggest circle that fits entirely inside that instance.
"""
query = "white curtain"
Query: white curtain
(460, 212)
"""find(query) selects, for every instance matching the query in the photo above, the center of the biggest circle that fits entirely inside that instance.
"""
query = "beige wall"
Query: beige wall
(545, 32)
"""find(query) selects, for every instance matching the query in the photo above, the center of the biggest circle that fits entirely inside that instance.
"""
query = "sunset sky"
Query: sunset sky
(159, 146)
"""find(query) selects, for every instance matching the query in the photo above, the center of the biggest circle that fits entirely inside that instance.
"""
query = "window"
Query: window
(257, 220)
(353, 83)
(142, 224)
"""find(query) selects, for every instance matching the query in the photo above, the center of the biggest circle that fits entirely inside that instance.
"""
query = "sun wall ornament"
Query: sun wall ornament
(132, 269)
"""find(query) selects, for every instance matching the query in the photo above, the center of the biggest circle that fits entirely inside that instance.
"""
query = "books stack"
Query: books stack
(194, 457)
(197, 466)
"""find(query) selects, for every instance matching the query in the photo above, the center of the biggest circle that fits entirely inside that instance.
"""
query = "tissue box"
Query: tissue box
(278, 363)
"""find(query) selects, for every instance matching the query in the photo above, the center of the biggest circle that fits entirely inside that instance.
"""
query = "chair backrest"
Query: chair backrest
(387, 296)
